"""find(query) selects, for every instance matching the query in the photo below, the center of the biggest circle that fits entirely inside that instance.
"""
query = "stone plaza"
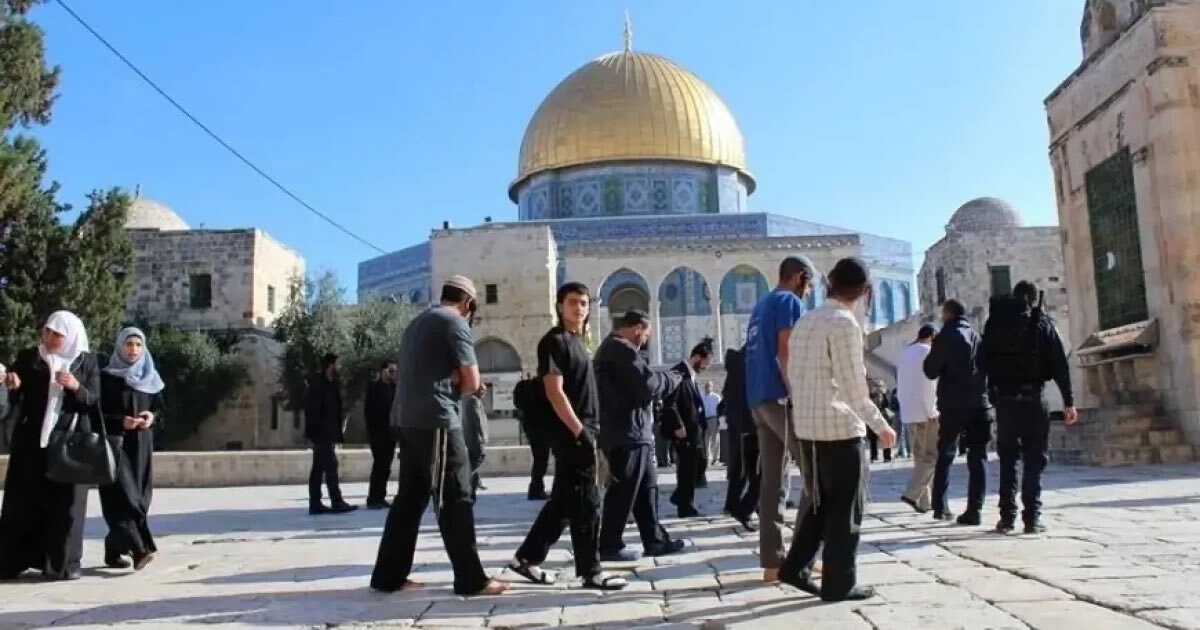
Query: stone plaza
(1121, 552)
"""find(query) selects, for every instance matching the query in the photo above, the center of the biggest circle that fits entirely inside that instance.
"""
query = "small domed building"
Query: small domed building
(633, 178)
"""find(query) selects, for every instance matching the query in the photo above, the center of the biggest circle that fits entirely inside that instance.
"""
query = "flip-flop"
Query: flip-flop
(533, 573)
(605, 581)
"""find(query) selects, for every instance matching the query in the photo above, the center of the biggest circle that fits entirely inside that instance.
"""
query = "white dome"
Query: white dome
(146, 214)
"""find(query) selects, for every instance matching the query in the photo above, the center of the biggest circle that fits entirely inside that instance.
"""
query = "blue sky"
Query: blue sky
(876, 115)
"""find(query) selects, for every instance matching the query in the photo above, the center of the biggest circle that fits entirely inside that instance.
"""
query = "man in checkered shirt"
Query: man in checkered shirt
(832, 410)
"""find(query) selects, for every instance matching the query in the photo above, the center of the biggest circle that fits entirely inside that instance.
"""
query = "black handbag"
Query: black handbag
(81, 457)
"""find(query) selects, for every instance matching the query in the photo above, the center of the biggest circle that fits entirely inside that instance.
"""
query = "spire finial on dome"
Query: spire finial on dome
(137, 191)
(628, 32)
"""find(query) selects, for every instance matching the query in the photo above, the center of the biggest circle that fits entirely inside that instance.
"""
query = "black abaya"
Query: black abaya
(126, 503)
(41, 521)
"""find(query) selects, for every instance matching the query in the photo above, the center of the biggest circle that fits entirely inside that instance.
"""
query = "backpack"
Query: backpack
(1012, 342)
(529, 397)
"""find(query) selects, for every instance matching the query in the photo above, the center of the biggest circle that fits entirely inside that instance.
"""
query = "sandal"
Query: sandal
(605, 581)
(532, 572)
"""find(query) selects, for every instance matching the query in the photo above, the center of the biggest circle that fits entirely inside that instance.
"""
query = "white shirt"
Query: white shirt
(711, 400)
(916, 392)
(828, 377)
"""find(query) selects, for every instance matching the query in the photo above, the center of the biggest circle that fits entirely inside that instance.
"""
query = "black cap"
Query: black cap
(927, 331)
(633, 317)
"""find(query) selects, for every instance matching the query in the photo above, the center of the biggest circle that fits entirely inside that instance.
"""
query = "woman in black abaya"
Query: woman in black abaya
(41, 521)
(132, 402)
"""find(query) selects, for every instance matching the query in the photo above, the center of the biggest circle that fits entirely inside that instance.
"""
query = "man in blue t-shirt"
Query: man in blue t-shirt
(767, 396)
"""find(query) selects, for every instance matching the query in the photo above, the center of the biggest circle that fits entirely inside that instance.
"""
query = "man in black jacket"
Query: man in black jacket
(685, 411)
(957, 361)
(1023, 352)
(628, 387)
(323, 428)
(741, 498)
(377, 409)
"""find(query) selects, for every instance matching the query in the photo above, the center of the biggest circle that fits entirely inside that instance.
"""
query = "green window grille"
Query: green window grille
(1001, 280)
(940, 278)
(1116, 245)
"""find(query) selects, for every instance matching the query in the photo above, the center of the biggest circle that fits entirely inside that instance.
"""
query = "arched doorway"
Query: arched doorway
(685, 313)
(624, 289)
(500, 370)
(887, 303)
(741, 289)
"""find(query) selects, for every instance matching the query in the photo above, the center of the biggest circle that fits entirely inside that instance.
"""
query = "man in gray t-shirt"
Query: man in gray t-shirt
(436, 344)
(437, 369)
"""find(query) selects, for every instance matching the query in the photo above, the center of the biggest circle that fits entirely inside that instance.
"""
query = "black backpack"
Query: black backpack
(529, 397)
(1012, 342)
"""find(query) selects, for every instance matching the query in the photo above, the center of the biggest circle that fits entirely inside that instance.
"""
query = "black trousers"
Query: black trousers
(663, 451)
(433, 464)
(874, 441)
(974, 428)
(324, 467)
(574, 503)
(838, 472)
(1022, 432)
(745, 478)
(632, 486)
(689, 459)
(540, 449)
(383, 452)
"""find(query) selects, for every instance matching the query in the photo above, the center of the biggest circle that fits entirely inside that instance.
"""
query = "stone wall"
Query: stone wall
(522, 262)
(1140, 93)
(173, 469)
(244, 265)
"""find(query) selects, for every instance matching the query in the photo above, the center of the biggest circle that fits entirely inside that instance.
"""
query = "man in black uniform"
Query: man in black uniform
(377, 409)
(628, 388)
(1023, 352)
(324, 426)
(956, 360)
(685, 412)
(570, 383)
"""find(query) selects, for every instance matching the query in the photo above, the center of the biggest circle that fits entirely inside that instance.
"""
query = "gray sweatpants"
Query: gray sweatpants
(775, 442)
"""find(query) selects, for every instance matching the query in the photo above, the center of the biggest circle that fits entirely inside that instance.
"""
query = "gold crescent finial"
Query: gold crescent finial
(628, 32)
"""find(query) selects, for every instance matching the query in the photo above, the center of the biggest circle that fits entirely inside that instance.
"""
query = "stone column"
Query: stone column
(655, 339)
(714, 278)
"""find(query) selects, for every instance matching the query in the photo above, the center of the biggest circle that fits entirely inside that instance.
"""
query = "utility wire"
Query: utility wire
(211, 133)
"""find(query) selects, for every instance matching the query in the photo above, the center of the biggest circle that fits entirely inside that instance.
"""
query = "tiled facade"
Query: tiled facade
(631, 189)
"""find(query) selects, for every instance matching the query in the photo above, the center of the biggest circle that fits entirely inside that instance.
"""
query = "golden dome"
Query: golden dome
(631, 106)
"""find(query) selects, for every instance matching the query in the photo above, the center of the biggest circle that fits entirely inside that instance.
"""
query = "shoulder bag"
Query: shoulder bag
(81, 457)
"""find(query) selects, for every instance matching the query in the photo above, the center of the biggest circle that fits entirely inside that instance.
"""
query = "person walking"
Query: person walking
(132, 402)
(50, 386)
(712, 425)
(918, 411)
(570, 384)
(1023, 351)
(879, 396)
(628, 387)
(741, 497)
(377, 410)
(534, 414)
(684, 419)
(475, 434)
(437, 368)
(833, 409)
(323, 426)
(767, 357)
(956, 360)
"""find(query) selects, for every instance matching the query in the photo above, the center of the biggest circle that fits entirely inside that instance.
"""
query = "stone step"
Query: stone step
(1151, 437)
(1141, 455)
(1112, 413)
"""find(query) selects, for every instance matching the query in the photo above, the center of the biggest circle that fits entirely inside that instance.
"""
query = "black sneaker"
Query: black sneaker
(689, 513)
(1035, 528)
(621, 555)
(675, 546)
(856, 594)
(943, 516)
(538, 495)
(913, 504)
(970, 518)
(749, 522)
(803, 583)
(341, 507)
(378, 505)
(1005, 526)
(318, 508)
(116, 561)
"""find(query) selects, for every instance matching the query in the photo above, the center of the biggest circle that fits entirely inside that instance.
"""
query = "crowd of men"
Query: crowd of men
(795, 394)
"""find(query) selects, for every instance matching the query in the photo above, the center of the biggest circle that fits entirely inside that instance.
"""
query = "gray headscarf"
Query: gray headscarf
(140, 375)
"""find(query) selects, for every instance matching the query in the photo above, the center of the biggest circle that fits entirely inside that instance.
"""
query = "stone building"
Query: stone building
(219, 280)
(1124, 146)
(632, 178)
(986, 250)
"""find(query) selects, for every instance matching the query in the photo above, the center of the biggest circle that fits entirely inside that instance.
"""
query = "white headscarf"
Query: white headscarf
(68, 325)
(140, 375)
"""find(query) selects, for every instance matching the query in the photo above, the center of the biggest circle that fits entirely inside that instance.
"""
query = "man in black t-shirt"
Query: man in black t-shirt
(565, 370)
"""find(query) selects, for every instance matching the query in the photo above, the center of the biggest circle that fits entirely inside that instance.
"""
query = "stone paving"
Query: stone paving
(1121, 553)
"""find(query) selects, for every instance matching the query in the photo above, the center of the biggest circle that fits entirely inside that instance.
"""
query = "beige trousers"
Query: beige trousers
(922, 440)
